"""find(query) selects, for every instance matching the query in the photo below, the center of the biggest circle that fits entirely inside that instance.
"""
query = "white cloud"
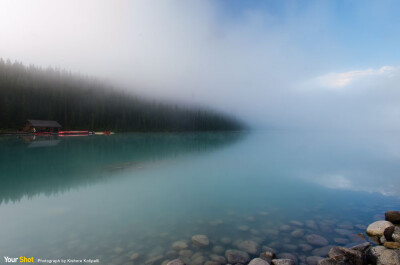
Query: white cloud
(340, 80)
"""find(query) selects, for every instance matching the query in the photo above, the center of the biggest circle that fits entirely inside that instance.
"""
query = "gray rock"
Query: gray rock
(258, 261)
(287, 256)
(210, 262)
(236, 256)
(393, 217)
(322, 251)
(373, 253)
(297, 233)
(389, 257)
(267, 255)
(176, 262)
(396, 234)
(343, 232)
(200, 240)
(179, 245)
(317, 240)
(350, 256)
(249, 246)
(305, 247)
(313, 260)
(283, 262)
(219, 259)
(362, 247)
(377, 228)
(285, 228)
(330, 261)
(218, 249)
(198, 260)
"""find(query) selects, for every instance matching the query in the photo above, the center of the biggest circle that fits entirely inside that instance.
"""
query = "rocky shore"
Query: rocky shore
(382, 247)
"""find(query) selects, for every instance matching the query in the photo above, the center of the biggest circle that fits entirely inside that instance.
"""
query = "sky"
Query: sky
(331, 65)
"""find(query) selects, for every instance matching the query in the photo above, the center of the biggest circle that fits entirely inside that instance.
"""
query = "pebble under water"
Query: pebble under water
(140, 198)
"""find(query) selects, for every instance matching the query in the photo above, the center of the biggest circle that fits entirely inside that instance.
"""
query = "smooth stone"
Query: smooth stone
(313, 260)
(377, 228)
(210, 262)
(134, 256)
(249, 246)
(345, 225)
(392, 245)
(389, 257)
(258, 261)
(285, 228)
(243, 228)
(219, 259)
(388, 233)
(236, 256)
(311, 224)
(382, 240)
(297, 233)
(171, 254)
(199, 260)
(321, 251)
(176, 262)
(393, 217)
(296, 223)
(200, 240)
(374, 253)
(267, 255)
(186, 253)
(226, 240)
(283, 262)
(287, 256)
(179, 245)
(343, 232)
(154, 259)
(218, 249)
(342, 241)
(317, 240)
(305, 247)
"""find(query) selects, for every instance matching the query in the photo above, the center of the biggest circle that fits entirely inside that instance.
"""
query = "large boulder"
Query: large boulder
(396, 234)
(236, 256)
(249, 246)
(393, 217)
(373, 254)
(378, 228)
(389, 257)
(258, 261)
(317, 240)
(350, 256)
(200, 240)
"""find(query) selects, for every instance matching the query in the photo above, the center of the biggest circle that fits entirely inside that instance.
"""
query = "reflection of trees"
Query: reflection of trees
(78, 161)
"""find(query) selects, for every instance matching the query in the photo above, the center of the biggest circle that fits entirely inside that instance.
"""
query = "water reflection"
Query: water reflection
(61, 164)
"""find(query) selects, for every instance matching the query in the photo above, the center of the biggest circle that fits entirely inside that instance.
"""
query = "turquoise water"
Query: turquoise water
(109, 197)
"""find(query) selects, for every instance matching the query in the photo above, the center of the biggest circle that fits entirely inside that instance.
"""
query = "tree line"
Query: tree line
(85, 103)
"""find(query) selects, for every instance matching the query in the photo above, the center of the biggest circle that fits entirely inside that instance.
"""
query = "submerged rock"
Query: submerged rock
(287, 256)
(283, 262)
(393, 217)
(348, 256)
(249, 246)
(200, 240)
(258, 261)
(313, 260)
(317, 240)
(297, 233)
(219, 259)
(236, 256)
(377, 228)
(176, 262)
(218, 249)
(322, 251)
(179, 245)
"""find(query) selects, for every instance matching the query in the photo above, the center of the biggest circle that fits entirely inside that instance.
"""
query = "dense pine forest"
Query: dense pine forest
(80, 102)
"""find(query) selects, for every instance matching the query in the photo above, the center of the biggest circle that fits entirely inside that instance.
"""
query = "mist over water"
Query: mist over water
(153, 190)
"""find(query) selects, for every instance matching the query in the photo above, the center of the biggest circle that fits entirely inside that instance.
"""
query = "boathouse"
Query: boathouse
(41, 126)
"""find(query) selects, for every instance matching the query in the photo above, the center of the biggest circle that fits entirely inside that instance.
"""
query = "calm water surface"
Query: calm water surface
(109, 197)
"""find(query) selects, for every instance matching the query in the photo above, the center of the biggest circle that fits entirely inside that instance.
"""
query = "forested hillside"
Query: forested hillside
(79, 102)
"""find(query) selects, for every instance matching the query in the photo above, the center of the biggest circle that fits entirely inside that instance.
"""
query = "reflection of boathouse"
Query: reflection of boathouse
(41, 126)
